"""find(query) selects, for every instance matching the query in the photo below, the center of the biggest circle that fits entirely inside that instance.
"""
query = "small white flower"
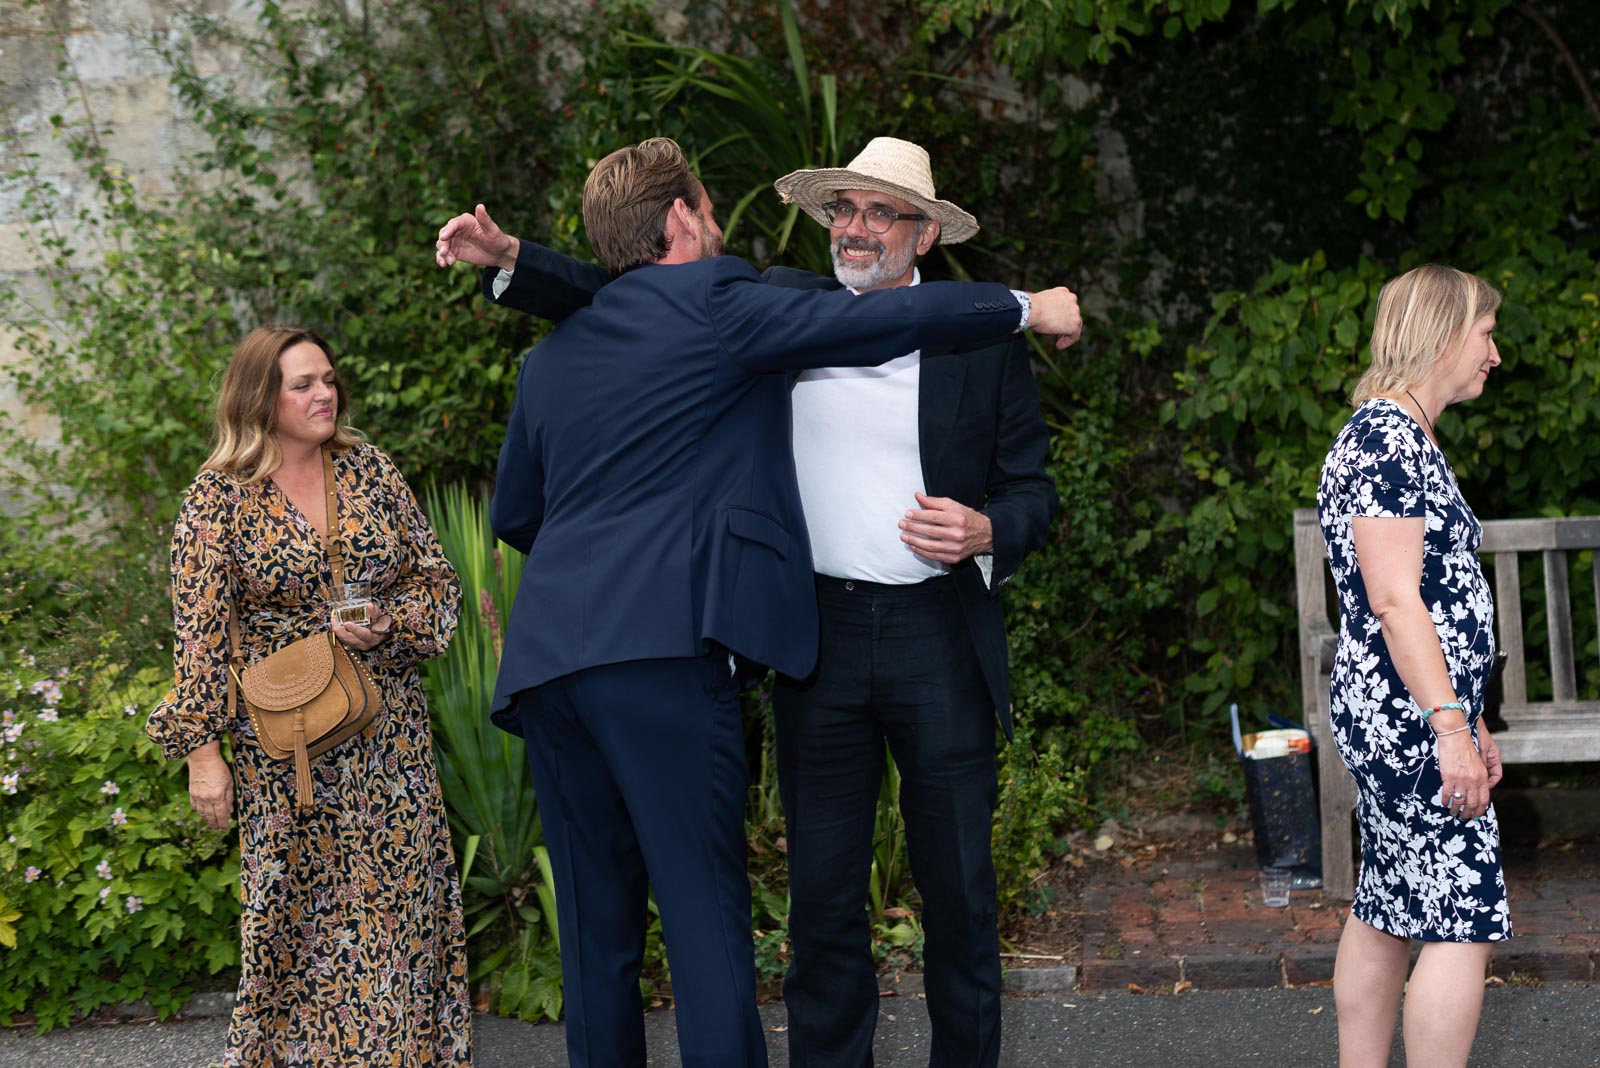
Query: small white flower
(110, 789)
(129, 710)
(8, 783)
(49, 715)
(103, 869)
(105, 892)
(31, 875)
(134, 904)
(119, 817)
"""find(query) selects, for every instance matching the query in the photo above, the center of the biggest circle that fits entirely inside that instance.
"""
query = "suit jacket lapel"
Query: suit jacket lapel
(943, 377)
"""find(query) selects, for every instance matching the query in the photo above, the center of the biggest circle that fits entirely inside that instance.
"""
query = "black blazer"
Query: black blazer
(647, 470)
(983, 440)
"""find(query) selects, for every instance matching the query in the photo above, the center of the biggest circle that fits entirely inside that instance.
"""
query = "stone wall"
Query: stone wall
(69, 57)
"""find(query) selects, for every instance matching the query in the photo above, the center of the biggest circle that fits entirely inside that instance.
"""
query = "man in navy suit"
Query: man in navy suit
(647, 474)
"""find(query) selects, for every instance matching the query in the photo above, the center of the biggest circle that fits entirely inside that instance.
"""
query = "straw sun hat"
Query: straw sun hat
(886, 165)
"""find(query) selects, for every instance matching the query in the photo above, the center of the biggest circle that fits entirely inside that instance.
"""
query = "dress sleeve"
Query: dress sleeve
(1387, 464)
(425, 602)
(195, 710)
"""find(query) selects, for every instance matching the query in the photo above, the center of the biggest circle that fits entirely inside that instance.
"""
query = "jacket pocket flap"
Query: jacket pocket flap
(757, 526)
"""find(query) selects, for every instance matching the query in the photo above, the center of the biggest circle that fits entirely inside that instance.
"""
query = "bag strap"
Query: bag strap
(330, 541)
(330, 537)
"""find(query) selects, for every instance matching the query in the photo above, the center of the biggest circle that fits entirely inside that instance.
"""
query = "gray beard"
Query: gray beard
(884, 269)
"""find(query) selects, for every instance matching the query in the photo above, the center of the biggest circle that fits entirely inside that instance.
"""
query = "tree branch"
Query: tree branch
(1537, 17)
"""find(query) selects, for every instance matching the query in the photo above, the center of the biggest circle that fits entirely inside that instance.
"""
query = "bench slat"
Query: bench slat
(1574, 742)
(1558, 610)
(1508, 614)
(1539, 535)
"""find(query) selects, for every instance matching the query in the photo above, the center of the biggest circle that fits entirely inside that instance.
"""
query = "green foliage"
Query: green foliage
(748, 122)
(1042, 788)
(336, 147)
(111, 888)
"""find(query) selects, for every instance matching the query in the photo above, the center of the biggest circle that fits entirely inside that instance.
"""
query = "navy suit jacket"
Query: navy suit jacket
(983, 441)
(647, 471)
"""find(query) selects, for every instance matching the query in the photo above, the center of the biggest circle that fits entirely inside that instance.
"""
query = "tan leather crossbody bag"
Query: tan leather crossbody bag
(312, 694)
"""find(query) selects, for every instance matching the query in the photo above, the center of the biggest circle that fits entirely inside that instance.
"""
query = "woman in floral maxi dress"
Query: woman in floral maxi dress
(352, 941)
(1416, 642)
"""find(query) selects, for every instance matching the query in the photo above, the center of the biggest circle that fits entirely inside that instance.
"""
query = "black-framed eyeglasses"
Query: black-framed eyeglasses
(840, 213)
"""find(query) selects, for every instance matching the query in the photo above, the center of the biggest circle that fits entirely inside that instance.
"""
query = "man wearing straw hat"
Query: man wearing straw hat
(923, 484)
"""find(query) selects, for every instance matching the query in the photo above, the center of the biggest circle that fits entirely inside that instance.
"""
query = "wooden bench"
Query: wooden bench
(1559, 729)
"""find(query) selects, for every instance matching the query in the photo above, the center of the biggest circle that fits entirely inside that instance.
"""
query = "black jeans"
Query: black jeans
(895, 664)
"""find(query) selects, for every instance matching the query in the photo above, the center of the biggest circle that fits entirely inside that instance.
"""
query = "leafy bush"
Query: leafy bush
(1042, 789)
(111, 888)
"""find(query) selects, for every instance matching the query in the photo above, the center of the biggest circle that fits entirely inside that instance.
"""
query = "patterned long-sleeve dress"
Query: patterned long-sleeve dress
(1425, 873)
(352, 936)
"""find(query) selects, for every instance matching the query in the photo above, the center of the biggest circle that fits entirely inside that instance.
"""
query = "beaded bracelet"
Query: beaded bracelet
(1457, 705)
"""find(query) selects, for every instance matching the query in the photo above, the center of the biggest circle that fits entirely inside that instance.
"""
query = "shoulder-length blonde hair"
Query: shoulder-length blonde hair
(245, 442)
(1423, 316)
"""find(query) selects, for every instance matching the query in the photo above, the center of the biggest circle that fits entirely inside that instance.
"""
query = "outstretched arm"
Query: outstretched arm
(518, 274)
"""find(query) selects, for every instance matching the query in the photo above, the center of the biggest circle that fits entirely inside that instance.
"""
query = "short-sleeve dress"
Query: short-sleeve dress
(1425, 873)
(353, 946)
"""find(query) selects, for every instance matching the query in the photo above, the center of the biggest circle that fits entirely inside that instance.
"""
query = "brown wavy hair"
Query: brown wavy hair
(244, 441)
(627, 197)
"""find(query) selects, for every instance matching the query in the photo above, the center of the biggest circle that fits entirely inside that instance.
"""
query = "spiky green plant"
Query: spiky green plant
(488, 788)
(749, 122)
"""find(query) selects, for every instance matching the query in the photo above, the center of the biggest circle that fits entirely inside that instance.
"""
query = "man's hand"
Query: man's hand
(1055, 311)
(476, 239)
(946, 530)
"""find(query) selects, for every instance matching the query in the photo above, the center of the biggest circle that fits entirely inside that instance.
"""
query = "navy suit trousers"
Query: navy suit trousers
(639, 770)
(895, 664)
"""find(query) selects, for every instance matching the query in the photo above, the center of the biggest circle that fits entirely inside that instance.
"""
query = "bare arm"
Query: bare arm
(1389, 553)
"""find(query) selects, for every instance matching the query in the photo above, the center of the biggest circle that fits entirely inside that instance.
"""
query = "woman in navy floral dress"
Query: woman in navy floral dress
(353, 949)
(1416, 641)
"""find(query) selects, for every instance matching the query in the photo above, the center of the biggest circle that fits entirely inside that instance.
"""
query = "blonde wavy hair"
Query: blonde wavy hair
(244, 441)
(1423, 316)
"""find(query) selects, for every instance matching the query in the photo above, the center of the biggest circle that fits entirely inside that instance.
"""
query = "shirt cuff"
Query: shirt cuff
(1027, 308)
(501, 281)
(985, 562)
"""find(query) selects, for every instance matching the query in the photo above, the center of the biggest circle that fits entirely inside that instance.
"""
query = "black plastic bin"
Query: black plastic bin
(1282, 791)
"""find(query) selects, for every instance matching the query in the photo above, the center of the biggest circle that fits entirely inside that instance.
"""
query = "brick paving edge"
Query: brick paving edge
(1305, 965)
(1060, 980)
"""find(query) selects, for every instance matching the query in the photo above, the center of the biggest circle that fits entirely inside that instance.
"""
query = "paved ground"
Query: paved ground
(1553, 1026)
(1176, 911)
(1180, 912)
